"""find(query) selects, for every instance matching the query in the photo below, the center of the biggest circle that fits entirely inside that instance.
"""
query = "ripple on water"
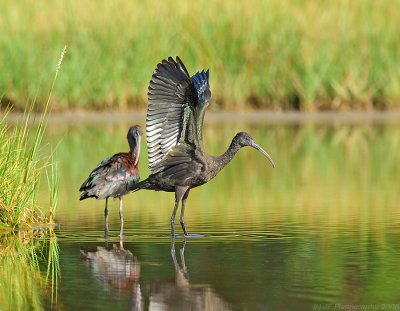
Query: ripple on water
(86, 234)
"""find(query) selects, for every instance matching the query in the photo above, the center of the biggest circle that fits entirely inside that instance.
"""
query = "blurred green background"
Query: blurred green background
(278, 55)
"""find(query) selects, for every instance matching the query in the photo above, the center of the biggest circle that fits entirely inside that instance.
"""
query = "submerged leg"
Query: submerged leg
(179, 193)
(182, 220)
(183, 263)
(176, 266)
(173, 219)
(121, 218)
(106, 219)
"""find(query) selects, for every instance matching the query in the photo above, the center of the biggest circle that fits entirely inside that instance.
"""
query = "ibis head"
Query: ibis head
(243, 139)
(134, 135)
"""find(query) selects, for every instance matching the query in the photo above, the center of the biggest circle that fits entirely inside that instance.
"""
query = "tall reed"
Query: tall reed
(22, 163)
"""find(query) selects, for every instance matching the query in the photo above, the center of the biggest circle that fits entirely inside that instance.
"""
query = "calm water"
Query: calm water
(322, 228)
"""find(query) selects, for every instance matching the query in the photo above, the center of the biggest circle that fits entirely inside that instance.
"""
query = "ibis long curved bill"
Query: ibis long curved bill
(256, 146)
(138, 150)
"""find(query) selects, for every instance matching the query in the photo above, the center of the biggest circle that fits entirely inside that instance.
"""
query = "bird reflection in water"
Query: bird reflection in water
(120, 269)
(117, 268)
(180, 294)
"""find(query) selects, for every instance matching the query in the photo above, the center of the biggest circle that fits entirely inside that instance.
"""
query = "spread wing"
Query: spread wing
(174, 114)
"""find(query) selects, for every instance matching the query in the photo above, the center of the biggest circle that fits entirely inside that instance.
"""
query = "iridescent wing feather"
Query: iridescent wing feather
(174, 115)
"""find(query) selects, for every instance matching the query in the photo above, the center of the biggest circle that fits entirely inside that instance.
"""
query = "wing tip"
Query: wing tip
(84, 196)
(171, 69)
(201, 79)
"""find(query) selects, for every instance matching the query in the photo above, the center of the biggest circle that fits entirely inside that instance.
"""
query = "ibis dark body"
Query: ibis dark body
(174, 122)
(111, 177)
(116, 175)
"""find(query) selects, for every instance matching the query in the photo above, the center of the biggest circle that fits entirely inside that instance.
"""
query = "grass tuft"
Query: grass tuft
(22, 163)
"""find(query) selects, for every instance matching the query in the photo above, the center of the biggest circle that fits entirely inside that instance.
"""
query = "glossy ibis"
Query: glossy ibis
(114, 176)
(174, 124)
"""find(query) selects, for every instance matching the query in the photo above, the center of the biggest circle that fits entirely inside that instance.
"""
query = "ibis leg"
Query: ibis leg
(121, 218)
(182, 220)
(179, 193)
(106, 219)
(173, 219)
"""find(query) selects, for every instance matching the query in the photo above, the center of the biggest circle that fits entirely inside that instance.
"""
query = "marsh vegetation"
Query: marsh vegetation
(307, 55)
(29, 250)
(23, 165)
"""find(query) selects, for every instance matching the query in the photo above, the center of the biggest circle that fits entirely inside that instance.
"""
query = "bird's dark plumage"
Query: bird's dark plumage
(175, 115)
(116, 175)
(111, 177)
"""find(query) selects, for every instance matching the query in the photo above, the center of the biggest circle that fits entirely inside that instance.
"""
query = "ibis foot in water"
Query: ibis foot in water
(181, 194)
(106, 220)
(121, 218)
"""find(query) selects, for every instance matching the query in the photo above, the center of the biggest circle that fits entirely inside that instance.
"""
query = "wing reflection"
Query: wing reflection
(120, 269)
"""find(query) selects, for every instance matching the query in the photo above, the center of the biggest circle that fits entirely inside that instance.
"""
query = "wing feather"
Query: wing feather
(175, 114)
(170, 91)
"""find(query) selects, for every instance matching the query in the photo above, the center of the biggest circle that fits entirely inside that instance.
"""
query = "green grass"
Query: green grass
(23, 162)
(307, 55)
(21, 166)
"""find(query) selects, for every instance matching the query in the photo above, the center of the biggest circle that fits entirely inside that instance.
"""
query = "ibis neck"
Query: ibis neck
(134, 146)
(134, 151)
(227, 156)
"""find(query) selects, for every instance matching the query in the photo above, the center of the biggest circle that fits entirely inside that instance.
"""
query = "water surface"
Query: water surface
(321, 228)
